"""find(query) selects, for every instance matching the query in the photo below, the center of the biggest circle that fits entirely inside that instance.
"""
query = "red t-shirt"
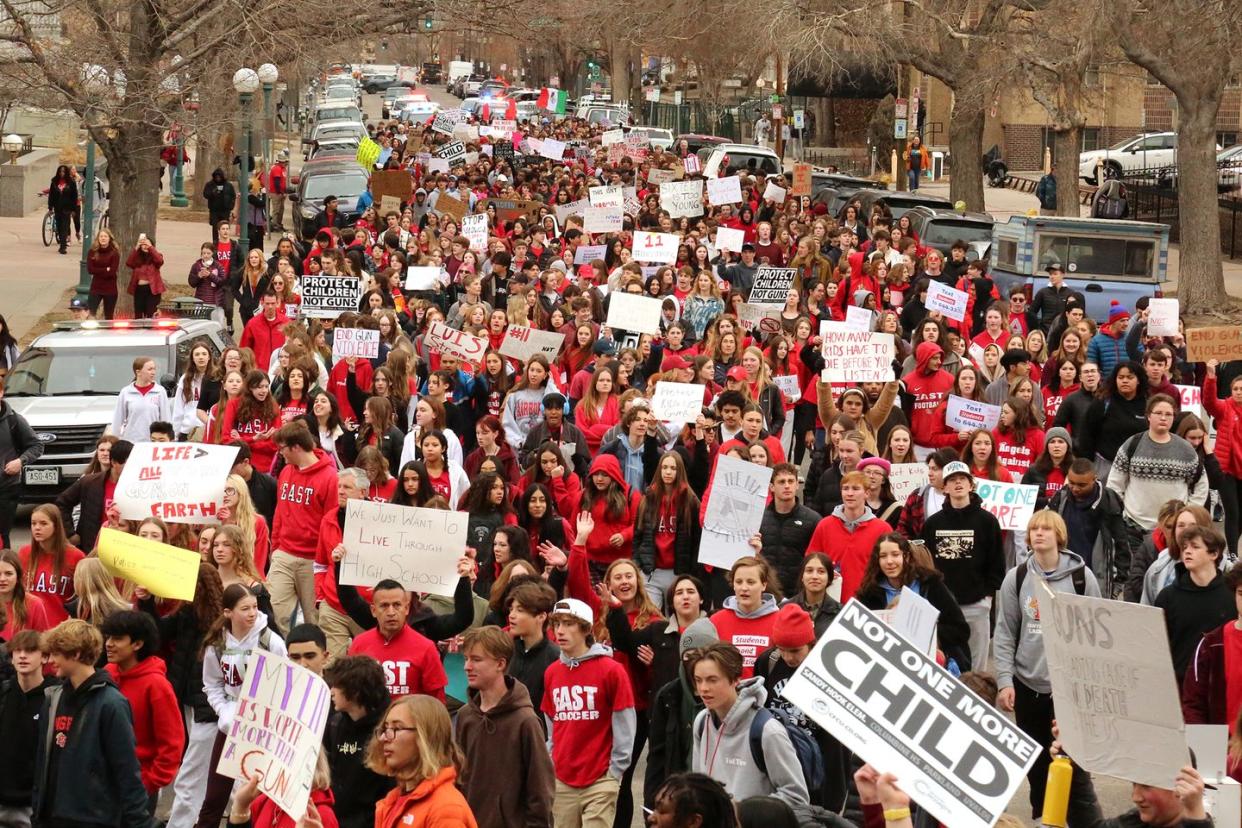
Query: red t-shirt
(442, 484)
(580, 702)
(410, 660)
(382, 493)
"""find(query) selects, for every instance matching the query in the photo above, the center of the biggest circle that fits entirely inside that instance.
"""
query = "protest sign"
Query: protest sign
(602, 219)
(175, 482)
(1113, 685)
(692, 164)
(727, 190)
(466, 132)
(522, 343)
(474, 230)
(391, 183)
(907, 478)
(729, 239)
(774, 193)
(949, 301)
(437, 165)
(509, 209)
(682, 199)
(801, 180)
(573, 208)
(418, 548)
(389, 204)
(788, 384)
(735, 504)
(855, 356)
(422, 277)
(277, 730)
(634, 312)
(612, 136)
(446, 119)
(766, 317)
(657, 248)
(655, 175)
(1223, 343)
(355, 342)
(454, 154)
(552, 149)
(772, 284)
(914, 619)
(327, 297)
(677, 402)
(606, 196)
(451, 206)
(962, 414)
(857, 319)
(446, 340)
(167, 571)
(587, 253)
(1011, 503)
(1162, 317)
(891, 704)
(503, 151)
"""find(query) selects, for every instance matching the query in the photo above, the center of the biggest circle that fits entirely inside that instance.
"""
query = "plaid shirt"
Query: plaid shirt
(913, 515)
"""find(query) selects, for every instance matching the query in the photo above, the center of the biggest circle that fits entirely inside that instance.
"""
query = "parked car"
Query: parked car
(1104, 259)
(1149, 151)
(726, 159)
(345, 146)
(391, 94)
(696, 141)
(379, 82)
(67, 382)
(341, 176)
(656, 136)
(941, 228)
(822, 180)
(899, 203)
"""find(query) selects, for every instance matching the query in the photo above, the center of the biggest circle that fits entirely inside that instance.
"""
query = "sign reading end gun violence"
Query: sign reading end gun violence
(418, 548)
(1223, 343)
(175, 482)
(855, 356)
(955, 754)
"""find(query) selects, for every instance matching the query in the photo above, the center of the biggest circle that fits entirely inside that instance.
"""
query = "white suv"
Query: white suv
(1152, 150)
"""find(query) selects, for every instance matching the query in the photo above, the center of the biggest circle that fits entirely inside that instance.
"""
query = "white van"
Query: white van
(726, 159)
(459, 69)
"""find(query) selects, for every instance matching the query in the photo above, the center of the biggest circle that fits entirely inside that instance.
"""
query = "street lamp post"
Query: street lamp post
(246, 82)
(268, 75)
(177, 186)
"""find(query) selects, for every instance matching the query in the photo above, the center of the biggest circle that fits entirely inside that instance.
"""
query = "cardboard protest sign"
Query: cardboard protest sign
(474, 230)
(774, 193)
(606, 196)
(587, 253)
(167, 571)
(446, 119)
(522, 343)
(510, 209)
(175, 482)
(446, 340)
(765, 317)
(327, 297)
(682, 198)
(948, 300)
(389, 204)
(855, 356)
(1223, 343)
(801, 180)
(772, 284)
(729, 239)
(422, 277)
(634, 312)
(727, 190)
(466, 132)
(418, 548)
(735, 504)
(454, 154)
(962, 414)
(891, 704)
(552, 149)
(277, 730)
(391, 183)
(788, 384)
(677, 402)
(907, 478)
(451, 206)
(602, 219)
(655, 175)
(1011, 503)
(355, 342)
(657, 248)
(1113, 686)
(1162, 317)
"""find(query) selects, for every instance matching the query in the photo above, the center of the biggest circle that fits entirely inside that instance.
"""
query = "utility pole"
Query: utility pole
(901, 122)
(778, 114)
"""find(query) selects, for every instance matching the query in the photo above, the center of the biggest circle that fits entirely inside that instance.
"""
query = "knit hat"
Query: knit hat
(1117, 312)
(701, 633)
(793, 628)
(877, 461)
(1057, 433)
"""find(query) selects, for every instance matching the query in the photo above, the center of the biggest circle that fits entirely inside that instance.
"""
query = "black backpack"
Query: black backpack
(1078, 576)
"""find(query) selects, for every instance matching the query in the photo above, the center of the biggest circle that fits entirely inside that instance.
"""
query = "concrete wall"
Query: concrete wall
(21, 183)
(50, 128)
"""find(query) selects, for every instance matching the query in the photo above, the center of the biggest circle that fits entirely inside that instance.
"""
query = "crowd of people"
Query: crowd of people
(584, 631)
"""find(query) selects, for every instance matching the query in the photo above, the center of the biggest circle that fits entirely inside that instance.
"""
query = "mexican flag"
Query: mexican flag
(553, 100)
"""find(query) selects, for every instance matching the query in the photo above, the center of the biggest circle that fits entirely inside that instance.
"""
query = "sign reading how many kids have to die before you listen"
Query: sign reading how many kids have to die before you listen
(855, 356)
(955, 754)
(418, 548)
(175, 482)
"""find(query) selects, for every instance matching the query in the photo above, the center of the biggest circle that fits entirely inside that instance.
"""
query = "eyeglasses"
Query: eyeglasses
(230, 492)
(389, 732)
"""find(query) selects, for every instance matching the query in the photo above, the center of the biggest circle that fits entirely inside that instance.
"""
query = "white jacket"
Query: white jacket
(409, 446)
(185, 412)
(224, 671)
(136, 411)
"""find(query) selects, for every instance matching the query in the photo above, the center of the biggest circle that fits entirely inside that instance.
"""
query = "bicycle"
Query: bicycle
(49, 228)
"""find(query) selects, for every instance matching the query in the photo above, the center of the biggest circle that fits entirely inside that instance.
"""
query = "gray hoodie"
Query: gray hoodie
(624, 722)
(1018, 643)
(722, 751)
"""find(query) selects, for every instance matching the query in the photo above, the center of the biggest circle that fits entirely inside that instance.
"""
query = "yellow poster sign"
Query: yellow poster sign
(163, 570)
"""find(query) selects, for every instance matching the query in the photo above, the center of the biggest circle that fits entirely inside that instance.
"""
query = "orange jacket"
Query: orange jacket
(434, 803)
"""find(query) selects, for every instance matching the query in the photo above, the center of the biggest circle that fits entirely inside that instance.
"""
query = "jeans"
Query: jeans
(658, 583)
(979, 617)
(1033, 714)
(94, 300)
(145, 302)
(913, 177)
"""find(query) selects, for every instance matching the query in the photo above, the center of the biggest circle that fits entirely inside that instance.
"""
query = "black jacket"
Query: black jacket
(661, 635)
(570, 433)
(65, 200)
(355, 787)
(185, 665)
(95, 778)
(1111, 554)
(19, 733)
(785, 541)
(685, 547)
(1191, 610)
(422, 619)
(1049, 303)
(528, 666)
(671, 734)
(1073, 415)
(973, 564)
(88, 492)
(952, 631)
(262, 488)
(17, 442)
(1109, 423)
(219, 195)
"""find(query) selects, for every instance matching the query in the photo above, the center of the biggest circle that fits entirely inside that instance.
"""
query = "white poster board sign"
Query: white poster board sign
(727, 190)
(948, 300)
(277, 731)
(634, 312)
(906, 479)
(1113, 686)
(573, 208)
(587, 253)
(418, 548)
(1162, 317)
(612, 136)
(327, 297)
(355, 342)
(772, 285)
(788, 384)
(175, 482)
(730, 239)
(962, 414)
(774, 193)
(855, 356)
(1011, 503)
(677, 402)
(655, 175)
(446, 340)
(767, 318)
(522, 343)
(735, 504)
(858, 319)
(474, 229)
(610, 196)
(552, 149)
(422, 277)
(682, 198)
(657, 248)
(603, 219)
(956, 755)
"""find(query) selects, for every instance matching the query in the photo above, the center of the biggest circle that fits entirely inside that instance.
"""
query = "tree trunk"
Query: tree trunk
(828, 121)
(966, 148)
(1065, 147)
(1201, 283)
(619, 72)
(133, 195)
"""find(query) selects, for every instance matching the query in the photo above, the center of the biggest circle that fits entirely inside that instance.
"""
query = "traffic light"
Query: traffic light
(427, 23)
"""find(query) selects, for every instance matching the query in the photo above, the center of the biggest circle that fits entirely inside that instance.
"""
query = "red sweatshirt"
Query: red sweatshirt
(263, 336)
(849, 550)
(751, 635)
(336, 386)
(158, 728)
(56, 592)
(595, 424)
(330, 536)
(262, 451)
(410, 660)
(303, 497)
(598, 548)
(928, 388)
(1015, 456)
(581, 700)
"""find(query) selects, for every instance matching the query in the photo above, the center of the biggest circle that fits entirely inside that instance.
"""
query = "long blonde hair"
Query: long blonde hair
(647, 610)
(243, 517)
(96, 589)
(243, 553)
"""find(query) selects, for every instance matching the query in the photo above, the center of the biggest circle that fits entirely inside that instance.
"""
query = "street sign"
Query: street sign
(777, 111)
(799, 119)
(899, 108)
(899, 128)
(774, 99)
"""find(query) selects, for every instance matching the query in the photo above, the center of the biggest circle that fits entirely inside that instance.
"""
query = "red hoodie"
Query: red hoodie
(158, 728)
(928, 388)
(598, 548)
(363, 374)
(263, 336)
(1015, 456)
(330, 535)
(264, 813)
(303, 498)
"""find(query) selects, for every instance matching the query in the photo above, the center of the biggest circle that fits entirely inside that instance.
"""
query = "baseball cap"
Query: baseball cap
(604, 347)
(737, 372)
(673, 362)
(747, 247)
(956, 467)
(553, 400)
(575, 608)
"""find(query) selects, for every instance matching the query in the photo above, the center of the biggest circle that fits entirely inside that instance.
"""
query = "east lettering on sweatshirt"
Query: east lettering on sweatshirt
(42, 581)
(303, 498)
(590, 710)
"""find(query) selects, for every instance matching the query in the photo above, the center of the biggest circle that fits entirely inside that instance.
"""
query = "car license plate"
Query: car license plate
(43, 477)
